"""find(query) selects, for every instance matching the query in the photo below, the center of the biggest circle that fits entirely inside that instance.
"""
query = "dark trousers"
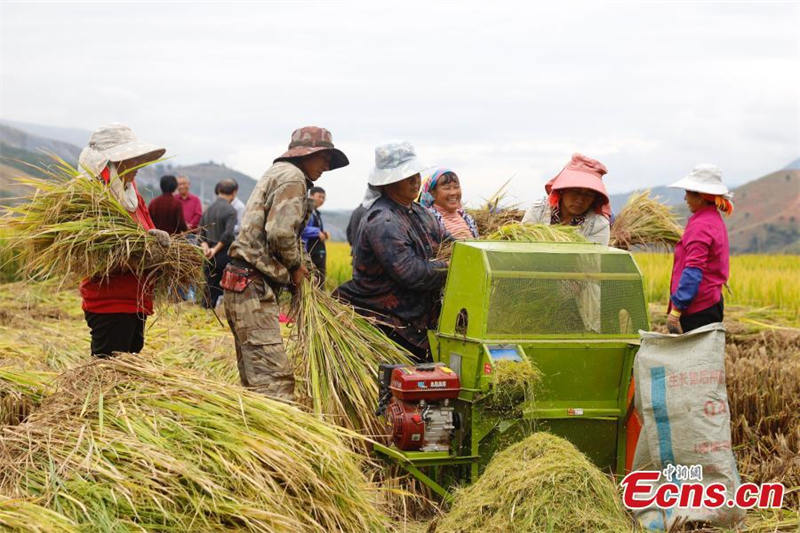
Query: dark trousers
(709, 315)
(115, 332)
(214, 269)
(420, 354)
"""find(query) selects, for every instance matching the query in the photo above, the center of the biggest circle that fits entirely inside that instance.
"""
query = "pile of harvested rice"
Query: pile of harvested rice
(542, 483)
(763, 381)
(24, 514)
(129, 443)
(644, 221)
(521, 233)
(336, 353)
(491, 215)
(21, 391)
(513, 384)
(71, 228)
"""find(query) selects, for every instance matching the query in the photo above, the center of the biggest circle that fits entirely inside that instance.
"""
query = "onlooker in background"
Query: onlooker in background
(352, 224)
(314, 234)
(700, 267)
(239, 206)
(216, 232)
(441, 194)
(192, 207)
(165, 210)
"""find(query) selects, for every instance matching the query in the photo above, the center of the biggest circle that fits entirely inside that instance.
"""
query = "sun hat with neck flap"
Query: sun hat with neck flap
(113, 143)
(582, 173)
(309, 140)
(394, 161)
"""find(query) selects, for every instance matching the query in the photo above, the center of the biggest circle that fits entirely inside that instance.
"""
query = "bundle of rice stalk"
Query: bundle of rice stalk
(128, 443)
(520, 233)
(513, 384)
(24, 514)
(336, 353)
(536, 233)
(72, 227)
(644, 221)
(542, 483)
(491, 215)
(21, 391)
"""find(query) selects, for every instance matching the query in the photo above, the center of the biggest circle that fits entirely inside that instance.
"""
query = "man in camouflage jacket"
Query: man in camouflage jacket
(268, 251)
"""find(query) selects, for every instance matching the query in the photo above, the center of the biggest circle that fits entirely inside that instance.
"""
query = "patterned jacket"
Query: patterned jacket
(394, 277)
(276, 213)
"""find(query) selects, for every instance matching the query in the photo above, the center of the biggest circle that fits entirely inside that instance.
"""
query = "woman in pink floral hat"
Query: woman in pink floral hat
(576, 197)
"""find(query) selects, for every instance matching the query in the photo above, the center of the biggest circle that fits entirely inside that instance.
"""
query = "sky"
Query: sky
(494, 90)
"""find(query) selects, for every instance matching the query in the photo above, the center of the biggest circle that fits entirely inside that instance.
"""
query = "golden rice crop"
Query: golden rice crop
(129, 443)
(644, 221)
(542, 483)
(336, 353)
(513, 384)
(71, 228)
(492, 214)
(24, 514)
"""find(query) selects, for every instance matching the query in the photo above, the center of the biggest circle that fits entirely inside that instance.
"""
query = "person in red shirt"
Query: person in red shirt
(165, 210)
(192, 207)
(116, 307)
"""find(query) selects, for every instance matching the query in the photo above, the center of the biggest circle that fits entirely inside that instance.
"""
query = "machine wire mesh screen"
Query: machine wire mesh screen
(528, 306)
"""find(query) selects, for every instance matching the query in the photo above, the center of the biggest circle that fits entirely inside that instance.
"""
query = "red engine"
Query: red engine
(418, 403)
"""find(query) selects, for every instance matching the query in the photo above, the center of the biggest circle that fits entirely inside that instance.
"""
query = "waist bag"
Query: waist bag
(236, 279)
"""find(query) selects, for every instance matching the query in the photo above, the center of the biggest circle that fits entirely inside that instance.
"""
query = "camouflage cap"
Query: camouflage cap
(311, 139)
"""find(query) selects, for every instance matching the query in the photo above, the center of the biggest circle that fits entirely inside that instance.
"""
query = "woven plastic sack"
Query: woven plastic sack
(681, 396)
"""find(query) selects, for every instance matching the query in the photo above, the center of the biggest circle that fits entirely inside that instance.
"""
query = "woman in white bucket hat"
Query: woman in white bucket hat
(700, 266)
(394, 276)
(116, 308)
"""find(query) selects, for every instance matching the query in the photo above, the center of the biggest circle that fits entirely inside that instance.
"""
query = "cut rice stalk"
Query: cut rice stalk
(644, 221)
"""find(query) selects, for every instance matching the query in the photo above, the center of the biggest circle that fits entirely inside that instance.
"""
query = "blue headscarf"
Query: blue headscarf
(425, 197)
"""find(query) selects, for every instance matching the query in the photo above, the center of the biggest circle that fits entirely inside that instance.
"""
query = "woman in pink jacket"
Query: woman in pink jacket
(700, 267)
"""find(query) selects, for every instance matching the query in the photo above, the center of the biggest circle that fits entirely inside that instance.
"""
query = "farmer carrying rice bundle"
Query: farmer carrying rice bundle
(116, 307)
(267, 256)
(700, 266)
(394, 276)
(576, 197)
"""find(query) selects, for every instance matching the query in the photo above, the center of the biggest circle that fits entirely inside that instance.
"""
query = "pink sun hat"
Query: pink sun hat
(582, 173)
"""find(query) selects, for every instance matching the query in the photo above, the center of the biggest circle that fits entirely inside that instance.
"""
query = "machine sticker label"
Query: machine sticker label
(416, 437)
(438, 384)
(575, 411)
(421, 385)
(487, 368)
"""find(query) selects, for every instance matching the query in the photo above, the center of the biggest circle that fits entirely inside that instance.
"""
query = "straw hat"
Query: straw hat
(394, 161)
(704, 179)
(310, 139)
(114, 143)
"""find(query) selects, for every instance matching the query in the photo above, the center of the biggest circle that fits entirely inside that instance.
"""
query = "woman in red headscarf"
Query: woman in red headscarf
(576, 197)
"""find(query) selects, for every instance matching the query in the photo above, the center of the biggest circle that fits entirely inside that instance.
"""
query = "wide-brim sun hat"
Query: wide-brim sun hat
(311, 139)
(703, 178)
(114, 143)
(580, 173)
(395, 161)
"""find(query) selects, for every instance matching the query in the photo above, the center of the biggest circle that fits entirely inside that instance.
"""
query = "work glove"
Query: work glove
(162, 237)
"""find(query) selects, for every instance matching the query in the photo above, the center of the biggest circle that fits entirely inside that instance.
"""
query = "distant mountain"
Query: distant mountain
(794, 165)
(73, 136)
(22, 150)
(766, 218)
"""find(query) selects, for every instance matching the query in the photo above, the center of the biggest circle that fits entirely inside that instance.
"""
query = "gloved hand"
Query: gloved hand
(161, 236)
(674, 324)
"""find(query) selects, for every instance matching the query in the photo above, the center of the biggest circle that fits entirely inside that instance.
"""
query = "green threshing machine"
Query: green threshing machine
(572, 310)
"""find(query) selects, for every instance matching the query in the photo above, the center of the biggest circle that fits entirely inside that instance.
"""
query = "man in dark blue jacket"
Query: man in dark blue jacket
(314, 234)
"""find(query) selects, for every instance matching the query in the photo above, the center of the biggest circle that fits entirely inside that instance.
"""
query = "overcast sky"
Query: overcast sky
(494, 90)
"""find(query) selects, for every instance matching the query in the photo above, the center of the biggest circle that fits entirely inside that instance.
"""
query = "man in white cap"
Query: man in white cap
(267, 255)
(116, 308)
(394, 275)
